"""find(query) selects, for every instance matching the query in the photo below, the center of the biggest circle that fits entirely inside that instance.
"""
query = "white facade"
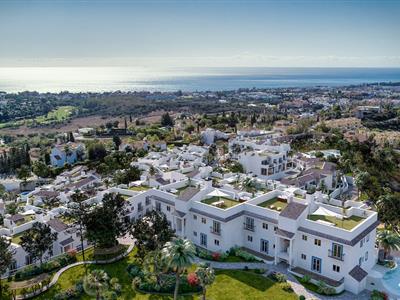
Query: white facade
(289, 235)
(59, 156)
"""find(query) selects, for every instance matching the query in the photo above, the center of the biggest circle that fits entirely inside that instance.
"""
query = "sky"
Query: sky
(218, 33)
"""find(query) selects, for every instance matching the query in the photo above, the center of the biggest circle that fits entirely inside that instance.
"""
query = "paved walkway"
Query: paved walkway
(79, 263)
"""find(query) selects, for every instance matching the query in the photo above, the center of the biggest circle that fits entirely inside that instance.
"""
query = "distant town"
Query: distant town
(123, 195)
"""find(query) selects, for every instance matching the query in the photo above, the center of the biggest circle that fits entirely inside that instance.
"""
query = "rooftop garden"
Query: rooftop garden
(139, 188)
(275, 203)
(347, 223)
(221, 202)
(26, 219)
(16, 239)
(126, 197)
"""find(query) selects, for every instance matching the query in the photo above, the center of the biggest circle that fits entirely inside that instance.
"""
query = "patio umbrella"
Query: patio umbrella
(217, 193)
(326, 212)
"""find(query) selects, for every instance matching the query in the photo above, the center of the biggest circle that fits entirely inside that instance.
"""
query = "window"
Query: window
(304, 237)
(158, 206)
(317, 242)
(263, 171)
(195, 217)
(203, 220)
(148, 202)
(249, 238)
(336, 268)
(264, 246)
(140, 206)
(337, 251)
(249, 224)
(168, 208)
(367, 238)
(203, 239)
(216, 242)
(316, 264)
(265, 226)
(195, 233)
(366, 256)
(28, 260)
(216, 228)
(360, 261)
(303, 256)
(361, 243)
(13, 265)
(275, 228)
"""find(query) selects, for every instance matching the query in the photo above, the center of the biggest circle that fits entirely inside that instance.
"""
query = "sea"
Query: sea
(107, 79)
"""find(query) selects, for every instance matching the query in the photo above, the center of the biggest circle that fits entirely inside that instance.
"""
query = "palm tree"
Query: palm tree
(206, 276)
(388, 241)
(96, 283)
(248, 185)
(179, 254)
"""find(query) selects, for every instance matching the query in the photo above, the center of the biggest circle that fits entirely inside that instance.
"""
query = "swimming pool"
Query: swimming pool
(391, 280)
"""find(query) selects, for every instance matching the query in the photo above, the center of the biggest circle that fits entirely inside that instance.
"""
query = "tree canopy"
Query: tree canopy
(107, 221)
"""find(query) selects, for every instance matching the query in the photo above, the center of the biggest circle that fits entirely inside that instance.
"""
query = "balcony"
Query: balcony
(249, 227)
(216, 231)
(338, 256)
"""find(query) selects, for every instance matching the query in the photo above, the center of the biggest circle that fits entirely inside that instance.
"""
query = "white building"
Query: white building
(310, 235)
(210, 135)
(66, 154)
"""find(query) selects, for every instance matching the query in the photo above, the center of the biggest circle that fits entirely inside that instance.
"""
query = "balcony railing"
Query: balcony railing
(338, 256)
(215, 230)
(249, 227)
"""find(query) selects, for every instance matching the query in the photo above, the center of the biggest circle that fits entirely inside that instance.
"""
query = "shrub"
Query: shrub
(134, 270)
(302, 297)
(305, 279)
(286, 287)
(259, 271)
(278, 277)
(324, 289)
(204, 254)
(245, 255)
(28, 272)
(192, 279)
(72, 293)
(216, 256)
(377, 295)
(233, 250)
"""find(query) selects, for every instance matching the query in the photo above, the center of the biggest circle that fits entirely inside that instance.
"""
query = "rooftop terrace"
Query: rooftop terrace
(275, 203)
(347, 223)
(221, 202)
(139, 188)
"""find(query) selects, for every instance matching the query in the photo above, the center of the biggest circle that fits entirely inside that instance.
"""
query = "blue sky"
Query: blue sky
(200, 33)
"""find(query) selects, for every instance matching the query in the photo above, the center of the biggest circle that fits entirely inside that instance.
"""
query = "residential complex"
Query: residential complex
(281, 220)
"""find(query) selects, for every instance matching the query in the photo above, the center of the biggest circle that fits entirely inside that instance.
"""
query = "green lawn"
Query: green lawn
(238, 284)
(227, 201)
(348, 223)
(59, 114)
(274, 204)
(229, 284)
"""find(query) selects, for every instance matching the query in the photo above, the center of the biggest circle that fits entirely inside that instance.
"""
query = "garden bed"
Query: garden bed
(235, 254)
